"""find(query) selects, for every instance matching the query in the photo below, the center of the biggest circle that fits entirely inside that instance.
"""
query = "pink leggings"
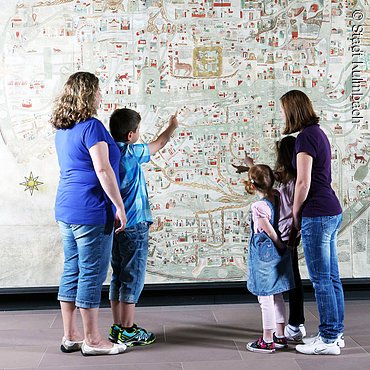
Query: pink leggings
(273, 310)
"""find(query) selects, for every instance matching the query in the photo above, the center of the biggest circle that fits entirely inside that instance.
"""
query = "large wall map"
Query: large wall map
(223, 64)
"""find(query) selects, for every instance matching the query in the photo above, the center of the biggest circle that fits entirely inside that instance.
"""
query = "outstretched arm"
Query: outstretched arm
(249, 161)
(240, 169)
(165, 136)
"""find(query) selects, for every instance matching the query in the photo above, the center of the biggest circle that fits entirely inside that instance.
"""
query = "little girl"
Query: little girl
(286, 175)
(269, 261)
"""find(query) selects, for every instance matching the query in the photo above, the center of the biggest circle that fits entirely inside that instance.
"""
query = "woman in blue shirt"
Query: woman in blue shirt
(86, 200)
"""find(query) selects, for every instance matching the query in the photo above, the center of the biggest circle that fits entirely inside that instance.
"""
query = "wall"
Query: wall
(223, 65)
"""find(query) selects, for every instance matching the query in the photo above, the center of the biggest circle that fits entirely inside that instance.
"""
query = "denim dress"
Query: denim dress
(269, 269)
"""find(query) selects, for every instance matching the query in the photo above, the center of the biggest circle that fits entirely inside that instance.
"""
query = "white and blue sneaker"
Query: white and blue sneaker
(319, 347)
(340, 340)
(295, 334)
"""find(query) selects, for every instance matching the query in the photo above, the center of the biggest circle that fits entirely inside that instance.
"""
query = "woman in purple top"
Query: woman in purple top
(316, 210)
(89, 160)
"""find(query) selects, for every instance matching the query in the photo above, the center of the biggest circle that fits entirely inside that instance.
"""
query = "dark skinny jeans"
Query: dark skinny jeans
(296, 296)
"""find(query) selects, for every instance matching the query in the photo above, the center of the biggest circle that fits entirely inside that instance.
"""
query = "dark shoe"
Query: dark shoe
(86, 350)
(135, 336)
(261, 346)
(113, 333)
(280, 342)
(69, 346)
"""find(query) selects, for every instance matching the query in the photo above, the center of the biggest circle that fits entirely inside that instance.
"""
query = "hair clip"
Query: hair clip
(252, 181)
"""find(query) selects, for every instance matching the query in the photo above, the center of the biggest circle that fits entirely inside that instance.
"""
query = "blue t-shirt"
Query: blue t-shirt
(133, 186)
(80, 198)
(321, 199)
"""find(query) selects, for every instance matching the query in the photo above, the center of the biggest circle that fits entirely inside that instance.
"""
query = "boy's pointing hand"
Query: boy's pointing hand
(173, 121)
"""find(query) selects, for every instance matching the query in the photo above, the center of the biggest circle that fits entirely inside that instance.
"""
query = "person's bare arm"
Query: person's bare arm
(249, 161)
(240, 169)
(100, 157)
(302, 185)
(265, 225)
(165, 136)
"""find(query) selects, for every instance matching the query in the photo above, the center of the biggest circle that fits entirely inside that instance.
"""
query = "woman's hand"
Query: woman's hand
(292, 238)
(121, 220)
(297, 222)
(104, 171)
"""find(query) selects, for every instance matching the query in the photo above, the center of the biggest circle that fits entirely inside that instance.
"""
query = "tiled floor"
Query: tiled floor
(189, 338)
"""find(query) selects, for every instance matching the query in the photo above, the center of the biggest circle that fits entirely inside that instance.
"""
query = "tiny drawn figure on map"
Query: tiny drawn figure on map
(178, 67)
(130, 248)
(270, 270)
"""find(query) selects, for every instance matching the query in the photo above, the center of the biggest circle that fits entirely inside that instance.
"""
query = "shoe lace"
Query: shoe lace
(142, 333)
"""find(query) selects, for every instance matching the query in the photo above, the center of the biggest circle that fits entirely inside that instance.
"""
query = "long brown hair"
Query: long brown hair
(298, 110)
(284, 168)
(77, 101)
(262, 178)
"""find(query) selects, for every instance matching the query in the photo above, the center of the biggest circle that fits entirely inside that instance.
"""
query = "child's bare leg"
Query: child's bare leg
(115, 306)
(280, 329)
(127, 314)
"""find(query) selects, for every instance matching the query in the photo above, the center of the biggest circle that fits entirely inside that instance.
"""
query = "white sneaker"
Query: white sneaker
(302, 329)
(310, 340)
(69, 346)
(340, 340)
(295, 335)
(318, 347)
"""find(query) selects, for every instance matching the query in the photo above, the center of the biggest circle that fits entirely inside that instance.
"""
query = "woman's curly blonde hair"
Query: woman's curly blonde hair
(77, 101)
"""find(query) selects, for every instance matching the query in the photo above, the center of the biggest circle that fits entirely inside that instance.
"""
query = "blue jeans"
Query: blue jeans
(319, 238)
(129, 256)
(87, 250)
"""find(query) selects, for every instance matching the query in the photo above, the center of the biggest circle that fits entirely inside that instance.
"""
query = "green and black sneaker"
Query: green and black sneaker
(135, 336)
(114, 333)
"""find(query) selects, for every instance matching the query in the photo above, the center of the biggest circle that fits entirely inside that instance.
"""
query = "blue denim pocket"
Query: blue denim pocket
(265, 247)
(135, 237)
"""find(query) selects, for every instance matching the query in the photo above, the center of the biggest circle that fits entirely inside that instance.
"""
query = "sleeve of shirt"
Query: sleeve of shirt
(141, 152)
(261, 209)
(306, 143)
(290, 190)
(94, 133)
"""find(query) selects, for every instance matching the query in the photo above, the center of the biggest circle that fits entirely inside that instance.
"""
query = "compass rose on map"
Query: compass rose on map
(31, 183)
